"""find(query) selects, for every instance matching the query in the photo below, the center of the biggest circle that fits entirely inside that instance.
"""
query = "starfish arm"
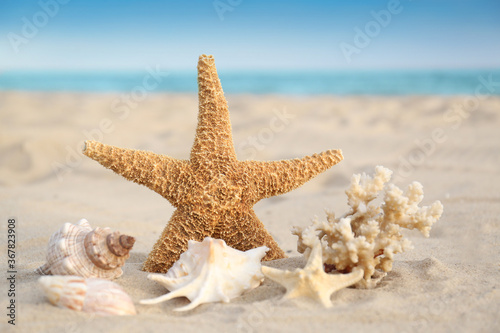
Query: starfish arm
(324, 299)
(213, 135)
(275, 178)
(340, 281)
(327, 284)
(287, 279)
(182, 227)
(154, 171)
(244, 231)
(315, 260)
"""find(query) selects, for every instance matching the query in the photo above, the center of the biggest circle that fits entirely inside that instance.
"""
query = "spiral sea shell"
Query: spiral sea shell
(211, 271)
(96, 296)
(76, 249)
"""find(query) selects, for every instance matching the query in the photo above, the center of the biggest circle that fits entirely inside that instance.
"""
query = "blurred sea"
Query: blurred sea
(391, 82)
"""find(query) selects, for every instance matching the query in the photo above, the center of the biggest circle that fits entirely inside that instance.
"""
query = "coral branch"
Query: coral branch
(369, 235)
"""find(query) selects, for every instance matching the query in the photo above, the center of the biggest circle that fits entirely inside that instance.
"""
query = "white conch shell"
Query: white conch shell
(76, 249)
(96, 296)
(210, 271)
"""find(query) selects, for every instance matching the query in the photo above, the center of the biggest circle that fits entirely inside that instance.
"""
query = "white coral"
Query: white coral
(369, 235)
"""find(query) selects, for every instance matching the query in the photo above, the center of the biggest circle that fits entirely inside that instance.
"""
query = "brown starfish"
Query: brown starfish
(212, 191)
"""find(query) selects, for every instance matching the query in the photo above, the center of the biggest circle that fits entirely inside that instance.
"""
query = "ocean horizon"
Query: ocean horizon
(340, 82)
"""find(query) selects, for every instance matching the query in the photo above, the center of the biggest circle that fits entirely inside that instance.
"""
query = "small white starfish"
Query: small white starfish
(312, 281)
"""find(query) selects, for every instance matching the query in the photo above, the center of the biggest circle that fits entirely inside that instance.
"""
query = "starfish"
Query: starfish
(213, 192)
(312, 281)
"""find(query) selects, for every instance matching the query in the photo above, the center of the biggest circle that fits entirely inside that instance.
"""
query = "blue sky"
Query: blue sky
(244, 34)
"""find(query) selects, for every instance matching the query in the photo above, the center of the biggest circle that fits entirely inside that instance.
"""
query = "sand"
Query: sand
(448, 282)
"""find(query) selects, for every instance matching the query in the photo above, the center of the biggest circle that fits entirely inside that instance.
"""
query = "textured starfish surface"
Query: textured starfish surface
(311, 281)
(212, 191)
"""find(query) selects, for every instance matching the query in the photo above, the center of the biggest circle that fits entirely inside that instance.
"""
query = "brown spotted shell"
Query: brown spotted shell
(77, 249)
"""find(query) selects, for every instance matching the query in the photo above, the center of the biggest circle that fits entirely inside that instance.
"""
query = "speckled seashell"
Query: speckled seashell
(76, 249)
(97, 296)
(211, 271)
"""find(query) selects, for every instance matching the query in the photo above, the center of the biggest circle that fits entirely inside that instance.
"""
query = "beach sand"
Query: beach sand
(448, 282)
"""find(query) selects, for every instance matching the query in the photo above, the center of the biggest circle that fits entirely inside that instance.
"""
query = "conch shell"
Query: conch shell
(97, 296)
(76, 249)
(210, 271)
